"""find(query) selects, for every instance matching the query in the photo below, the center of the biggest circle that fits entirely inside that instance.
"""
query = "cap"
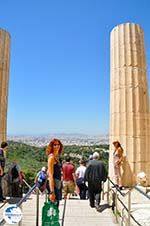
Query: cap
(43, 168)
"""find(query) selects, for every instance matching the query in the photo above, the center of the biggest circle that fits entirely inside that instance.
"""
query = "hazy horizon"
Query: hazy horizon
(55, 133)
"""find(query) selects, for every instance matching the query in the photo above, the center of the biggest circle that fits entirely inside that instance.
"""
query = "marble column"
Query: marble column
(129, 101)
(4, 79)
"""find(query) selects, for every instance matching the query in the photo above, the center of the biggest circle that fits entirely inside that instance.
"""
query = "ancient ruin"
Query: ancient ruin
(4, 79)
(129, 101)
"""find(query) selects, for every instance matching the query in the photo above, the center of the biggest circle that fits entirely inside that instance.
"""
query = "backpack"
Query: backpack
(79, 181)
(42, 176)
(13, 173)
(2, 158)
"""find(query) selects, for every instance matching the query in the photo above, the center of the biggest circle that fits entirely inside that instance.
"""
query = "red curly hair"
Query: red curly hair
(49, 148)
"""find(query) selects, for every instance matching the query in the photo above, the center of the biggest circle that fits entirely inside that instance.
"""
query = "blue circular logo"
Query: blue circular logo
(12, 214)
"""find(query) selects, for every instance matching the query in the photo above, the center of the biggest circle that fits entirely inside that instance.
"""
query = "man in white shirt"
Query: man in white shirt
(80, 172)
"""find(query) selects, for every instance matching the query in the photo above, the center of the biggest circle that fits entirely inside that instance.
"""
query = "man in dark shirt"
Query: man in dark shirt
(3, 148)
(95, 173)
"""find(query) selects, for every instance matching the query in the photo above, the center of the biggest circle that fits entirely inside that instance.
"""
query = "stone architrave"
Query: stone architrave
(129, 101)
(4, 79)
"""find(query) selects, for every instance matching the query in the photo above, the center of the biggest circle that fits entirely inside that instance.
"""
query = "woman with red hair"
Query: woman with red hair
(53, 151)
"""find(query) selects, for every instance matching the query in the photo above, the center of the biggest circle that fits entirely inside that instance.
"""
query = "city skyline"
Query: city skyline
(67, 139)
(60, 62)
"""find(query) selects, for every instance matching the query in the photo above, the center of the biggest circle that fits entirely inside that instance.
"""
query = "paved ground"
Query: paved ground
(77, 213)
(29, 211)
(140, 208)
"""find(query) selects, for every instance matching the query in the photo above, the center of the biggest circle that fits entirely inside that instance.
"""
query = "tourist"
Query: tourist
(54, 151)
(15, 180)
(3, 149)
(68, 170)
(80, 172)
(117, 161)
(95, 173)
(41, 179)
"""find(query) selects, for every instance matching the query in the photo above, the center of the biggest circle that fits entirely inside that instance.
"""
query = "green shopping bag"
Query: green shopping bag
(50, 214)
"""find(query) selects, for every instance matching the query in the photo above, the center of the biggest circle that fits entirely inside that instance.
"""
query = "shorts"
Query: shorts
(68, 187)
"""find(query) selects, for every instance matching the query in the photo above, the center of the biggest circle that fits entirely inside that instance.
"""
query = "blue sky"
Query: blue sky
(59, 70)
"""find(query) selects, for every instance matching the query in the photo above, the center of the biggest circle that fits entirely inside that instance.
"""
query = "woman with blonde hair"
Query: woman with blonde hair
(117, 160)
(54, 150)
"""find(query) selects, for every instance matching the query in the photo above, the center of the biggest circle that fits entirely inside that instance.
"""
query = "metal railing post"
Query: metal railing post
(129, 208)
(20, 223)
(122, 217)
(37, 207)
(116, 208)
(102, 190)
(126, 218)
(108, 189)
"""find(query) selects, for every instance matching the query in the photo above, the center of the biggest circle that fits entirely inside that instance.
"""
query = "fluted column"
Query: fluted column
(4, 78)
(129, 101)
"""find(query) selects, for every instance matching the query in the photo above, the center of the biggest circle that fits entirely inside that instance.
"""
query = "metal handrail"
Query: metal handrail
(117, 188)
(125, 208)
(26, 183)
(142, 192)
(63, 216)
(128, 209)
(37, 208)
(2, 221)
